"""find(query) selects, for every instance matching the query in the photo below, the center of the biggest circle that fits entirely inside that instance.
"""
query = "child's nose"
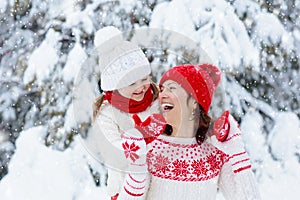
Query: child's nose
(141, 87)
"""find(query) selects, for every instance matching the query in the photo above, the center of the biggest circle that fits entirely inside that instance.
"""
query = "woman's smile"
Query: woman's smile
(166, 107)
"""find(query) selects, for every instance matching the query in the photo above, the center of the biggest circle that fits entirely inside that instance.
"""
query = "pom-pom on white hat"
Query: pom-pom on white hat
(121, 62)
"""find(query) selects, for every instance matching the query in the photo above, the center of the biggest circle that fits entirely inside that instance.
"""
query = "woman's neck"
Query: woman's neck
(186, 129)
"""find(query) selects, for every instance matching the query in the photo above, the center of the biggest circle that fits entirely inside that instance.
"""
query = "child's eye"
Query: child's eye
(145, 79)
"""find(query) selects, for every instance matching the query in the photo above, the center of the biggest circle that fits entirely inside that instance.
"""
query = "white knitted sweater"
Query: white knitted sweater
(182, 169)
(105, 144)
(179, 167)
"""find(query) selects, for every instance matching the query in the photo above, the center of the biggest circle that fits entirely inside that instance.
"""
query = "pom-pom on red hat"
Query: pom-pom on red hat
(200, 81)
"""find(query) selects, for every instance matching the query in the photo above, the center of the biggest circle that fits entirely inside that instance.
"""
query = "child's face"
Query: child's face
(136, 90)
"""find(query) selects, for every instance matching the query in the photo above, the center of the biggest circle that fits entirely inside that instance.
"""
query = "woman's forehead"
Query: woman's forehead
(170, 82)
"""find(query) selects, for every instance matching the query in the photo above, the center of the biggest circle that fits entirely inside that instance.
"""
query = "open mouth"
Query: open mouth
(167, 107)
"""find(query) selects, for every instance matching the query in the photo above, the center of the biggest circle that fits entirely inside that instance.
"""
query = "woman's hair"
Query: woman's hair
(99, 100)
(204, 124)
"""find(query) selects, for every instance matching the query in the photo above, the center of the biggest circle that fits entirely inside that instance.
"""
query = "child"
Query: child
(125, 79)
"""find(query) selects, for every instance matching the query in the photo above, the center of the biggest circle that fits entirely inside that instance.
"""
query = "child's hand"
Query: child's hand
(134, 141)
(152, 127)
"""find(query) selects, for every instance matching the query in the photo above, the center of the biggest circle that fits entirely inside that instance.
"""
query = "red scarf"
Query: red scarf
(129, 105)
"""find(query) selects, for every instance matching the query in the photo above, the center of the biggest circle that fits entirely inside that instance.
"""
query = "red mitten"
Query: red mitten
(152, 127)
(222, 126)
(229, 140)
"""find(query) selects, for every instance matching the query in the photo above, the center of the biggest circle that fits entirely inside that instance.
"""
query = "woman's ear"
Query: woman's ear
(192, 103)
(195, 104)
(193, 100)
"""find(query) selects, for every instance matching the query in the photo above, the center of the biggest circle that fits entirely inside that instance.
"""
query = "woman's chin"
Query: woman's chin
(166, 116)
(169, 118)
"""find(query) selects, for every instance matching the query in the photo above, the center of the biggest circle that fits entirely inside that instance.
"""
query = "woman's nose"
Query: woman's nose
(163, 93)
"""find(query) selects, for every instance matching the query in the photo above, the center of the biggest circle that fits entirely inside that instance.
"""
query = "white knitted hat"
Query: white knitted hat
(121, 62)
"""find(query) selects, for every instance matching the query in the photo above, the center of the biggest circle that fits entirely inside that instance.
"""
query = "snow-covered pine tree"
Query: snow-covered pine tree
(43, 45)
(269, 25)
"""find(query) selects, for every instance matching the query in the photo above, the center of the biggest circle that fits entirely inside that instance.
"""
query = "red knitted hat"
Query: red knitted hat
(200, 81)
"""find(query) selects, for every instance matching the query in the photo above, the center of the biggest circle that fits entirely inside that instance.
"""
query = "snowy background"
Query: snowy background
(47, 56)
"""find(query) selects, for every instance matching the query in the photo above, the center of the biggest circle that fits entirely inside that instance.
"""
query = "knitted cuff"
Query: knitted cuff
(239, 158)
(236, 186)
(134, 187)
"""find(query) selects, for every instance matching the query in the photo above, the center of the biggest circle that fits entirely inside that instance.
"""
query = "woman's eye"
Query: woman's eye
(161, 88)
(172, 88)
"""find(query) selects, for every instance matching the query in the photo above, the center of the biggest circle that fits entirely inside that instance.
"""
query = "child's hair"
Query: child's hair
(99, 100)
(97, 105)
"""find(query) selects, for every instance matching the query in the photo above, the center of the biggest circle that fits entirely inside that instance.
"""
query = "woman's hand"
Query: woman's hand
(222, 126)
(230, 142)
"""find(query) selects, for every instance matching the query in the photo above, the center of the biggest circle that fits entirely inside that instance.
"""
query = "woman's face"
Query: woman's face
(136, 90)
(174, 103)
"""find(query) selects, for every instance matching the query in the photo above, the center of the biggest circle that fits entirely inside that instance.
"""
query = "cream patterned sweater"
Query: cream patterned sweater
(182, 169)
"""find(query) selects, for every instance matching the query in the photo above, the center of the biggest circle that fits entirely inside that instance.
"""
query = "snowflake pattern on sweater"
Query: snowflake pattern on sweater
(185, 162)
(182, 169)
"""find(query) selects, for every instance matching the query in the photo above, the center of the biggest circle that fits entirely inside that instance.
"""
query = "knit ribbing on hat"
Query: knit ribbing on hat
(121, 62)
(124, 69)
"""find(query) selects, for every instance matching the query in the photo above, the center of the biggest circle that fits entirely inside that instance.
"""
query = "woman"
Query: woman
(187, 164)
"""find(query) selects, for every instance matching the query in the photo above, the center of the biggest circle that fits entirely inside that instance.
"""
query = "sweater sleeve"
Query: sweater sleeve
(127, 179)
(239, 185)
(104, 143)
(109, 143)
(136, 179)
(135, 186)
(237, 180)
